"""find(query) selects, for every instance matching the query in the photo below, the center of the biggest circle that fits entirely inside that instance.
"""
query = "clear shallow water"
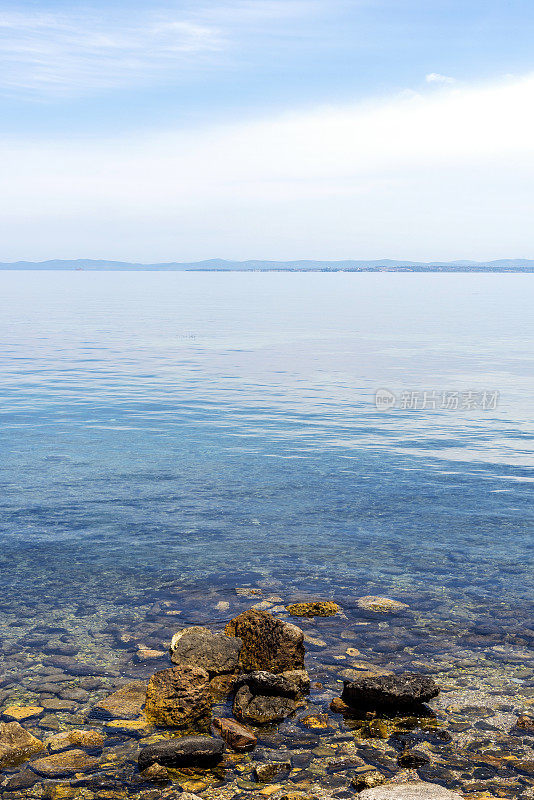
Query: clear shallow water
(167, 438)
(208, 424)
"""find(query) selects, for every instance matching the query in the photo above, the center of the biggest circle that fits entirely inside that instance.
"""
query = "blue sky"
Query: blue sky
(175, 131)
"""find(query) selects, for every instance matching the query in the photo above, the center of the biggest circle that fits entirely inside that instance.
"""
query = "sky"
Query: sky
(267, 129)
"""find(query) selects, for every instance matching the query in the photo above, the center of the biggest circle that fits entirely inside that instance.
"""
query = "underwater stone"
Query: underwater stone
(268, 643)
(410, 790)
(20, 713)
(16, 744)
(77, 738)
(380, 605)
(66, 763)
(125, 703)
(266, 772)
(293, 683)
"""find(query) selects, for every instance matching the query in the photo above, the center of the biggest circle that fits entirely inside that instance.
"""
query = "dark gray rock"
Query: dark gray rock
(389, 691)
(199, 647)
(262, 709)
(271, 685)
(187, 751)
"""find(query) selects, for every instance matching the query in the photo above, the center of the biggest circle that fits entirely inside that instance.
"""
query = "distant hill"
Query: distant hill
(220, 265)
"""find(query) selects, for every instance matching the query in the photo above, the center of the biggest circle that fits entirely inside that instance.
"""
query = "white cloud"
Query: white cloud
(435, 77)
(437, 175)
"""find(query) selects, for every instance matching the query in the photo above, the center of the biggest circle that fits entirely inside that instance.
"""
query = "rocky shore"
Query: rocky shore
(255, 710)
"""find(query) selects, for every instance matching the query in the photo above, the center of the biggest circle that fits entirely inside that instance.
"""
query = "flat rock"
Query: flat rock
(389, 691)
(322, 608)
(411, 790)
(61, 765)
(380, 605)
(179, 697)
(186, 751)
(268, 643)
(16, 744)
(135, 728)
(217, 653)
(125, 703)
(90, 740)
(20, 713)
(156, 773)
(237, 736)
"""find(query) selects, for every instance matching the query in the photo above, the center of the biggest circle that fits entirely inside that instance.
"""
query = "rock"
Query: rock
(524, 725)
(16, 744)
(323, 608)
(409, 790)
(315, 721)
(179, 698)
(338, 706)
(125, 703)
(20, 713)
(90, 740)
(68, 762)
(186, 751)
(136, 728)
(412, 759)
(199, 647)
(389, 691)
(262, 709)
(368, 780)
(293, 684)
(55, 704)
(156, 773)
(237, 736)
(222, 685)
(146, 654)
(21, 780)
(266, 772)
(247, 591)
(268, 643)
(379, 605)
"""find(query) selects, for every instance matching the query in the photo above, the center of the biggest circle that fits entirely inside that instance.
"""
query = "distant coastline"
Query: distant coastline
(220, 265)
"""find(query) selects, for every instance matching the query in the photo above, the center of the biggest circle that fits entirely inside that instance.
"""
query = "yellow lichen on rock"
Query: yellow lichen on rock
(320, 608)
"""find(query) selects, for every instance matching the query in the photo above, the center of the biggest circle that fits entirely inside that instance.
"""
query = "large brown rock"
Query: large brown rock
(16, 744)
(217, 653)
(125, 703)
(268, 643)
(179, 697)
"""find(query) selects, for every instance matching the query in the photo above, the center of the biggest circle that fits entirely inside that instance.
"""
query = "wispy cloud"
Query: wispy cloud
(81, 52)
(436, 77)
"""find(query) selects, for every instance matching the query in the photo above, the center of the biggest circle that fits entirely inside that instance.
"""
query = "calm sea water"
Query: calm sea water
(168, 438)
(219, 427)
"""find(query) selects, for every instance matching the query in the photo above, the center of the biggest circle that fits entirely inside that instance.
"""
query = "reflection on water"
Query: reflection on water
(169, 437)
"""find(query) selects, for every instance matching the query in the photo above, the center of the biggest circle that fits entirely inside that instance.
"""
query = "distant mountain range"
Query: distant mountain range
(220, 265)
